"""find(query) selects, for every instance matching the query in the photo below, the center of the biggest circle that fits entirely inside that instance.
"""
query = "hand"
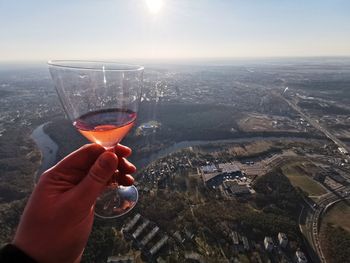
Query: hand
(58, 217)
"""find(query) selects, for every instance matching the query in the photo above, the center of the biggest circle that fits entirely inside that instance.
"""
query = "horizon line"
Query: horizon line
(29, 61)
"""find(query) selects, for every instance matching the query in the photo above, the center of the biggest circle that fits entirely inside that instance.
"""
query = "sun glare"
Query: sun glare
(154, 6)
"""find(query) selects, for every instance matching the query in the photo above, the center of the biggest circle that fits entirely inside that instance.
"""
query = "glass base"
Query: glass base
(115, 202)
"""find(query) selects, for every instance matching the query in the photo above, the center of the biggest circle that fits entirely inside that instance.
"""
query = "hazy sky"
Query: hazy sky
(111, 29)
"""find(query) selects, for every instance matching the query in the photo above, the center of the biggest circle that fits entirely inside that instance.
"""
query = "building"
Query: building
(235, 238)
(268, 244)
(189, 233)
(214, 177)
(149, 236)
(245, 243)
(121, 259)
(178, 237)
(213, 180)
(282, 239)
(342, 150)
(158, 245)
(254, 169)
(228, 168)
(140, 229)
(236, 188)
(208, 172)
(132, 223)
(301, 258)
(192, 256)
(208, 169)
(148, 128)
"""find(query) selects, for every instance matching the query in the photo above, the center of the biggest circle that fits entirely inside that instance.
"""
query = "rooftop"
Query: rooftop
(209, 169)
(228, 168)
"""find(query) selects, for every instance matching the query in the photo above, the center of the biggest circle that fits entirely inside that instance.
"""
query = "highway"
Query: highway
(314, 215)
(314, 123)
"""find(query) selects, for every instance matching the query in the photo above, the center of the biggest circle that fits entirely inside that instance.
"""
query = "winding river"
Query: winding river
(47, 146)
(185, 144)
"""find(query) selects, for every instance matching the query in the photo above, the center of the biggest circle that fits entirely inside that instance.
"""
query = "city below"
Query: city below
(237, 162)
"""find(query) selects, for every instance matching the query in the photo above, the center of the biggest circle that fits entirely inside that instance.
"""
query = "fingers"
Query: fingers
(104, 167)
(122, 151)
(125, 179)
(100, 173)
(84, 157)
(81, 159)
(126, 167)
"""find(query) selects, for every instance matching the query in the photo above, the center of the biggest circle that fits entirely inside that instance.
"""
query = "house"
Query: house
(245, 243)
(282, 239)
(268, 243)
(301, 258)
(235, 239)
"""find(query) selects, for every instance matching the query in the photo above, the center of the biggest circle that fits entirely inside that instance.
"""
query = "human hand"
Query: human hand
(58, 217)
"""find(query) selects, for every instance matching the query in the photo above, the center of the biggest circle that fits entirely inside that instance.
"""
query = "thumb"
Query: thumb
(96, 180)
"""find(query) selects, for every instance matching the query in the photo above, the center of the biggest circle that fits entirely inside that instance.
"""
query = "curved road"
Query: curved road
(313, 219)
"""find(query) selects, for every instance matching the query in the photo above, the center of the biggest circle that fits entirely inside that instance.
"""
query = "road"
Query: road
(314, 123)
(314, 215)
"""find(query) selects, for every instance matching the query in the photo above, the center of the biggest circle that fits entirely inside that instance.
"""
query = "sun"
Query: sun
(154, 6)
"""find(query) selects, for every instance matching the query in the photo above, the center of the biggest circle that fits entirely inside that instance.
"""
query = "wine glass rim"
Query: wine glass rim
(92, 65)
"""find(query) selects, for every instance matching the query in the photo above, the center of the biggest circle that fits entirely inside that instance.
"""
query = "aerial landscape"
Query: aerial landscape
(238, 161)
(156, 131)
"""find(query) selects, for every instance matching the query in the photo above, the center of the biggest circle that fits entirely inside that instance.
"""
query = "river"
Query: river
(47, 147)
(185, 144)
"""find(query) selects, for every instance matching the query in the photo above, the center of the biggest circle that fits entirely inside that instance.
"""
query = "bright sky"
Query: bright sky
(111, 29)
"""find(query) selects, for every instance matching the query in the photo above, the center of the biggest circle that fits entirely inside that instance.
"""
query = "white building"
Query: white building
(207, 169)
(140, 229)
(235, 239)
(120, 259)
(158, 245)
(132, 223)
(282, 239)
(268, 243)
(149, 236)
(245, 243)
(228, 168)
(300, 257)
(342, 150)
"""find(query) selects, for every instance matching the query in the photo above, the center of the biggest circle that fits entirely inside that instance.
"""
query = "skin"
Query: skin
(58, 217)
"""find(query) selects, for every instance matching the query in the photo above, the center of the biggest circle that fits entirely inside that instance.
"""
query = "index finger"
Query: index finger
(81, 159)
(122, 150)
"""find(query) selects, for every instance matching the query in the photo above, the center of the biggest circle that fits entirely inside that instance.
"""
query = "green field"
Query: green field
(338, 215)
(299, 178)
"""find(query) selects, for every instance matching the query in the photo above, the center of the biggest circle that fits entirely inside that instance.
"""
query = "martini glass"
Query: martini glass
(101, 99)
